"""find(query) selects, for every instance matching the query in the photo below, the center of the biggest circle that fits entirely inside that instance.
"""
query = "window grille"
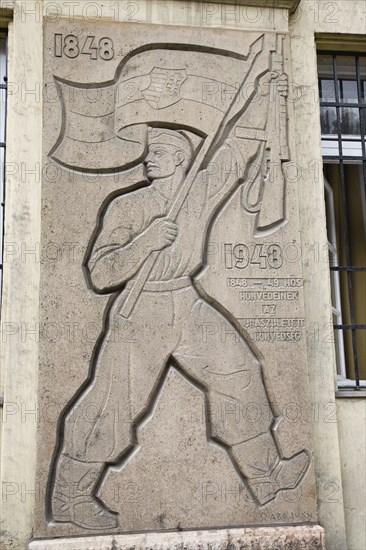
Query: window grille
(342, 90)
(3, 92)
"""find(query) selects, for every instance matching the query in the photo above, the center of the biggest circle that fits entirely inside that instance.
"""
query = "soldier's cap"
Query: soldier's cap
(176, 138)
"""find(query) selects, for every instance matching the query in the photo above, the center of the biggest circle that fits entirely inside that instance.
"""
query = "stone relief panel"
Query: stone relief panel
(172, 334)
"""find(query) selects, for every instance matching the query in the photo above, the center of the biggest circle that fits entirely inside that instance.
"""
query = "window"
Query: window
(3, 85)
(342, 89)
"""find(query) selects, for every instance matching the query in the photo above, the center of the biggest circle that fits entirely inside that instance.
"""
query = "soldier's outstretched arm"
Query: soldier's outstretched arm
(121, 247)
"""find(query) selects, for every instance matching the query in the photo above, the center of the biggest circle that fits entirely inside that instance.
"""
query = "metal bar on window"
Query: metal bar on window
(362, 110)
(351, 327)
(347, 268)
(340, 103)
(340, 159)
(336, 91)
(360, 104)
(354, 105)
(344, 203)
(348, 271)
(3, 86)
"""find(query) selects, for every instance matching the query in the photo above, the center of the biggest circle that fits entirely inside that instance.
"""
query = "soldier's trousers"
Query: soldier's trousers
(166, 327)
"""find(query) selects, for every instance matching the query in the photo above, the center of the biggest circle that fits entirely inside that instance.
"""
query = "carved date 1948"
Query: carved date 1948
(241, 256)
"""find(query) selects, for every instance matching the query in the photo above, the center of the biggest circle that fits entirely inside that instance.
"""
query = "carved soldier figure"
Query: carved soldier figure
(169, 315)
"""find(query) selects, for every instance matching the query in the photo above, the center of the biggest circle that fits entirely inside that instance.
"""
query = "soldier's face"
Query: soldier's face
(161, 161)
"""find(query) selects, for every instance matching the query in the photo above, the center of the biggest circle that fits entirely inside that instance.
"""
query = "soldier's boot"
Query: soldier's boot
(73, 497)
(266, 472)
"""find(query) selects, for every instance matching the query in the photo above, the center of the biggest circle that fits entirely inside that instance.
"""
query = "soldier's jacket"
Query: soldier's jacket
(130, 214)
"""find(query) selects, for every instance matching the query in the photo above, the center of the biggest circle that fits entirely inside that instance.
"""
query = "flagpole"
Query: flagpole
(174, 210)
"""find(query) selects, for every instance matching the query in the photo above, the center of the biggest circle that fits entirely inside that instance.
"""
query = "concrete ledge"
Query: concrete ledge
(290, 5)
(261, 538)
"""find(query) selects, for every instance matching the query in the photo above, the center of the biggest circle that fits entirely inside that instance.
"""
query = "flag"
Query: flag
(186, 87)
(157, 86)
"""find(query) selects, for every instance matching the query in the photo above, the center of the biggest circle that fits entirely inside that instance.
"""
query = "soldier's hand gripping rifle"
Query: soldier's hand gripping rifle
(272, 209)
(203, 157)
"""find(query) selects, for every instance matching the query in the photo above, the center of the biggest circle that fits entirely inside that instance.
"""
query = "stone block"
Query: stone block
(173, 383)
(263, 538)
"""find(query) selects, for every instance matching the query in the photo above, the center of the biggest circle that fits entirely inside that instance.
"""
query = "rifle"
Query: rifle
(272, 210)
(204, 153)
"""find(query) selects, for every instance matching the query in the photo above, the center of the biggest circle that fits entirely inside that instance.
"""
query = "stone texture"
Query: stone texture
(22, 224)
(182, 402)
(285, 4)
(264, 538)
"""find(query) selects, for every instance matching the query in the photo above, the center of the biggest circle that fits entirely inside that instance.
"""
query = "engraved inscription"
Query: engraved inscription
(241, 256)
(274, 329)
(72, 46)
(268, 296)
(259, 282)
(269, 309)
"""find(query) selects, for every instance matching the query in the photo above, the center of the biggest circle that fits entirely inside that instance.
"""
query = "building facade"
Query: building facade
(326, 60)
